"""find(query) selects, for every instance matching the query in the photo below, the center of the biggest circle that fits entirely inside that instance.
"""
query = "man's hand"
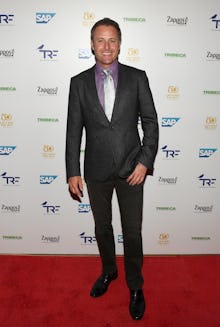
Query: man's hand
(138, 175)
(76, 186)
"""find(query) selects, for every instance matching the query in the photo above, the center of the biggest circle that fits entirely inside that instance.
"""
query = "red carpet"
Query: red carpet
(53, 291)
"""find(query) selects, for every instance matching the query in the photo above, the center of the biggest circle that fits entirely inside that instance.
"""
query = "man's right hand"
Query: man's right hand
(76, 185)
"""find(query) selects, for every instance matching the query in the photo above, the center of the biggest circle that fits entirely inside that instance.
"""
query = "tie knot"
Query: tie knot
(106, 72)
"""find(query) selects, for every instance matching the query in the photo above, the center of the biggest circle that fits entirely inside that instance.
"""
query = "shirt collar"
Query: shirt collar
(113, 68)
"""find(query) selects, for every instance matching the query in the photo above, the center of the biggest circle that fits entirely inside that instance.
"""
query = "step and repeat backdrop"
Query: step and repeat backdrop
(44, 43)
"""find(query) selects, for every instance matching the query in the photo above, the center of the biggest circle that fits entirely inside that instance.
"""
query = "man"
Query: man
(108, 100)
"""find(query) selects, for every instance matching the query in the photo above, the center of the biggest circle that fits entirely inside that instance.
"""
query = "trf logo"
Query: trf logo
(50, 209)
(87, 239)
(170, 153)
(206, 182)
(10, 180)
(216, 21)
(46, 53)
(6, 19)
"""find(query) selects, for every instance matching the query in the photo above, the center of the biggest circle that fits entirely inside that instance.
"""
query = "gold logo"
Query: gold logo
(211, 122)
(173, 92)
(88, 19)
(48, 151)
(133, 54)
(6, 120)
(164, 238)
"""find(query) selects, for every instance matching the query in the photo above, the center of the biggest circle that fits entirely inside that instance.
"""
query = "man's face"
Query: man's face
(105, 45)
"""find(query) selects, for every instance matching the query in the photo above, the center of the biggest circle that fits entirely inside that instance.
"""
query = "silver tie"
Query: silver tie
(109, 94)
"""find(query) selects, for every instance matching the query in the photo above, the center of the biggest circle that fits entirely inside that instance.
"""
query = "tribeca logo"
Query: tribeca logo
(84, 53)
(47, 179)
(211, 56)
(48, 120)
(84, 208)
(5, 150)
(175, 55)
(47, 90)
(10, 208)
(169, 121)
(170, 153)
(207, 182)
(6, 19)
(167, 180)
(50, 239)
(203, 209)
(206, 152)
(7, 53)
(87, 240)
(10, 180)
(134, 19)
(215, 21)
(177, 21)
(44, 17)
(47, 54)
(211, 122)
(50, 209)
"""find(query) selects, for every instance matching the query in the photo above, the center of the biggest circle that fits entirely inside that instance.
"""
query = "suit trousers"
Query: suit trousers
(130, 200)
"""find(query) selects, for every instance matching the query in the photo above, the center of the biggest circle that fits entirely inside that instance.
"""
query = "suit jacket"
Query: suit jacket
(115, 146)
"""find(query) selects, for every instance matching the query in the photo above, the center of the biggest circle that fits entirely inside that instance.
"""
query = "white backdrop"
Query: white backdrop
(43, 44)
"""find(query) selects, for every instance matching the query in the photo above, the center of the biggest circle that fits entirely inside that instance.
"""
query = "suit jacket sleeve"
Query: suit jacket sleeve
(149, 123)
(74, 131)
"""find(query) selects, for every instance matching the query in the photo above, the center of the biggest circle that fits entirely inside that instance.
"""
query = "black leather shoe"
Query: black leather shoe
(102, 283)
(137, 304)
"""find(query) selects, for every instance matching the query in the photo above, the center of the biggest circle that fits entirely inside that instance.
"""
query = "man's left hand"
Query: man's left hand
(138, 175)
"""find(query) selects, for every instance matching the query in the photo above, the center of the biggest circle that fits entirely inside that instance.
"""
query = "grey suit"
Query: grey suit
(112, 151)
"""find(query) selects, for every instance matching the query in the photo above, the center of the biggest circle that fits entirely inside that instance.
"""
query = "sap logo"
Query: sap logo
(44, 17)
(84, 208)
(10, 180)
(206, 152)
(47, 179)
(215, 20)
(50, 209)
(84, 53)
(120, 238)
(169, 121)
(206, 182)
(5, 150)
(170, 154)
(47, 54)
(6, 19)
(87, 239)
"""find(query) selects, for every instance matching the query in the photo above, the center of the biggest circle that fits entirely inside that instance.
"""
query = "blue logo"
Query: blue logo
(169, 121)
(84, 53)
(170, 153)
(87, 240)
(10, 180)
(47, 179)
(216, 21)
(46, 53)
(84, 208)
(5, 150)
(120, 238)
(206, 182)
(206, 152)
(6, 19)
(50, 209)
(44, 17)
